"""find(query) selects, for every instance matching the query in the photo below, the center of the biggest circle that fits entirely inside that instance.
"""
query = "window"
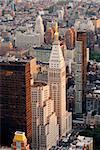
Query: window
(18, 145)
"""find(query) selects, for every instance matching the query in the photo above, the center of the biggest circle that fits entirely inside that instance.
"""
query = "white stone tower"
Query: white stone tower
(57, 83)
(39, 28)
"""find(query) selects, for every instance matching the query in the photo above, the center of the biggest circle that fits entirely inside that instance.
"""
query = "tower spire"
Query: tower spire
(56, 35)
(56, 27)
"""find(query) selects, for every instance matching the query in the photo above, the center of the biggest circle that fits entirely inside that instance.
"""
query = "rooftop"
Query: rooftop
(15, 60)
(81, 142)
(39, 84)
(44, 46)
(19, 136)
(97, 91)
(16, 56)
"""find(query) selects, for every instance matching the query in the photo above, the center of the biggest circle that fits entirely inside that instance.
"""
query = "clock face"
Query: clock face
(18, 145)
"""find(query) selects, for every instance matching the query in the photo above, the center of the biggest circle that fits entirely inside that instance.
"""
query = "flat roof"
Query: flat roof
(96, 91)
(39, 84)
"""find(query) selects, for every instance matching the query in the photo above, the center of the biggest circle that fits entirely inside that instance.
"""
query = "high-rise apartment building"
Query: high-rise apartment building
(20, 141)
(44, 120)
(15, 98)
(57, 83)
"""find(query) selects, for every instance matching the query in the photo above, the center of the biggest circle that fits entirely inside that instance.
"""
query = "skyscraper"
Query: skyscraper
(70, 38)
(78, 77)
(57, 83)
(49, 36)
(44, 120)
(81, 69)
(39, 28)
(15, 99)
(86, 25)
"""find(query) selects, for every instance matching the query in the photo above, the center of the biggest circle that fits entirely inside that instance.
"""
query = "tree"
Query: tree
(95, 56)
(3, 12)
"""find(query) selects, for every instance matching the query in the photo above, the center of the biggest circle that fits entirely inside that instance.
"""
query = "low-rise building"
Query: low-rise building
(93, 101)
(82, 143)
(92, 119)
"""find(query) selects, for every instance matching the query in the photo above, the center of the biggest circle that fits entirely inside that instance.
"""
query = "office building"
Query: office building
(80, 72)
(49, 35)
(39, 28)
(27, 39)
(57, 83)
(69, 58)
(61, 14)
(20, 141)
(70, 38)
(86, 25)
(30, 38)
(15, 97)
(78, 78)
(44, 120)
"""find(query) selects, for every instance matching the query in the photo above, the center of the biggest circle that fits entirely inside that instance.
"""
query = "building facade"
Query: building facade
(78, 78)
(20, 141)
(93, 101)
(70, 38)
(80, 72)
(57, 83)
(82, 143)
(15, 100)
(39, 28)
(30, 38)
(26, 40)
(44, 119)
